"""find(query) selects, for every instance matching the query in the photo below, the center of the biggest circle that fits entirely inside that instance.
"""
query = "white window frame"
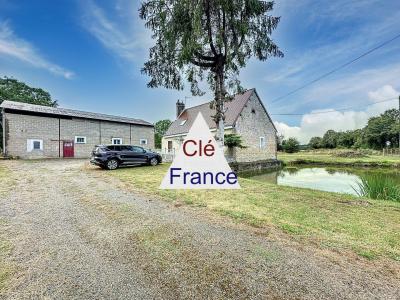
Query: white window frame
(116, 139)
(182, 123)
(262, 142)
(30, 143)
(141, 140)
(80, 137)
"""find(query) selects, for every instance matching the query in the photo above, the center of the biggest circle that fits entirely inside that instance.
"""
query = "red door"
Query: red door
(68, 149)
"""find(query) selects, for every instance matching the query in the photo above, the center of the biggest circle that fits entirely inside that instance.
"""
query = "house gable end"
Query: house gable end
(254, 91)
(233, 109)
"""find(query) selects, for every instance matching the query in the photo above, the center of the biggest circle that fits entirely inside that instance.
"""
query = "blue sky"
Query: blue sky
(88, 55)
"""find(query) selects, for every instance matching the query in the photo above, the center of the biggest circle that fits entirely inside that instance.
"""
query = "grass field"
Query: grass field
(329, 158)
(367, 227)
(6, 268)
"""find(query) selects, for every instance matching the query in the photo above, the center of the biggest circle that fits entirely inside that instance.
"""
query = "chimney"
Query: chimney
(180, 107)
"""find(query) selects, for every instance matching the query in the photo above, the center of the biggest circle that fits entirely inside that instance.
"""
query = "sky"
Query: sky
(88, 55)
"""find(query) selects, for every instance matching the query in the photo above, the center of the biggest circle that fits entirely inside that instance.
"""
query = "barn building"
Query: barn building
(34, 131)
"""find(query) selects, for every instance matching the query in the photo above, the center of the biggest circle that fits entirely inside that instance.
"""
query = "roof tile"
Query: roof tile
(233, 109)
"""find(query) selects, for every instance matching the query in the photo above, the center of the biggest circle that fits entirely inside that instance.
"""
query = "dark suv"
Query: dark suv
(112, 156)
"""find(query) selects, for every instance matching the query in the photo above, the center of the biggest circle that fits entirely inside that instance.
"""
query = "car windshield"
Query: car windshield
(100, 149)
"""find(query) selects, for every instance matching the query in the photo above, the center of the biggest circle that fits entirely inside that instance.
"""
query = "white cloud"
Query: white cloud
(317, 124)
(345, 90)
(15, 47)
(347, 87)
(371, 25)
(125, 35)
(383, 93)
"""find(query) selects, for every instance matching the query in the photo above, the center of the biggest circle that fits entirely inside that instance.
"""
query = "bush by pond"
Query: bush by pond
(376, 186)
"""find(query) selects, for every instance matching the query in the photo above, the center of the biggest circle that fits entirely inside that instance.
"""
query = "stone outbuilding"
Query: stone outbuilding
(245, 116)
(34, 131)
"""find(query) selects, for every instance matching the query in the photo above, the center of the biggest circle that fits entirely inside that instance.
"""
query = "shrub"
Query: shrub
(233, 141)
(291, 145)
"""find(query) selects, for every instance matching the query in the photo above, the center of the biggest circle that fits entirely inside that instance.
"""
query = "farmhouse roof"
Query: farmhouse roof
(58, 111)
(233, 109)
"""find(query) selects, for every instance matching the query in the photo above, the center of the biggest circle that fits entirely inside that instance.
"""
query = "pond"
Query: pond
(339, 180)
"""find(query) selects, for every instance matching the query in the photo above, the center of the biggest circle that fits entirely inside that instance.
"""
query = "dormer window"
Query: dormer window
(183, 123)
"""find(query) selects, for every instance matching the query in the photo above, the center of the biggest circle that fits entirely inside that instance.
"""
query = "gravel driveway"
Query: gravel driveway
(78, 233)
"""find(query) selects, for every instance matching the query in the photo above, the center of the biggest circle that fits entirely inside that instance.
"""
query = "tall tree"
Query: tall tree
(14, 90)
(383, 128)
(195, 39)
(315, 142)
(160, 128)
(346, 139)
(329, 139)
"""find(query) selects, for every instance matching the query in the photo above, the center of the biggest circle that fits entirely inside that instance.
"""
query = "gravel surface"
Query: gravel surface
(79, 233)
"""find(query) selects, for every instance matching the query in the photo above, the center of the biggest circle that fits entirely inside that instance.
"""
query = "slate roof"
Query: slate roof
(233, 110)
(58, 111)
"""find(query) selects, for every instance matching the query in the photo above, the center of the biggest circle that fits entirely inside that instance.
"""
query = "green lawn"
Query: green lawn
(369, 228)
(330, 158)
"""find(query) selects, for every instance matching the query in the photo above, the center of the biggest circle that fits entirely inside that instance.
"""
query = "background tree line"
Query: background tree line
(374, 135)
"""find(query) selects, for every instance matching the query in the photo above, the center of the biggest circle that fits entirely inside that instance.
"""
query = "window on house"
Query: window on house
(32, 145)
(80, 140)
(183, 123)
(262, 142)
(116, 141)
(143, 141)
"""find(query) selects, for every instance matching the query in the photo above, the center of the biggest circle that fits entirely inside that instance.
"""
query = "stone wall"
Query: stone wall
(255, 166)
(20, 128)
(80, 127)
(252, 124)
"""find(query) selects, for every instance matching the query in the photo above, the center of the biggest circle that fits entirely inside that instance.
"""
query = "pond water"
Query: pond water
(339, 180)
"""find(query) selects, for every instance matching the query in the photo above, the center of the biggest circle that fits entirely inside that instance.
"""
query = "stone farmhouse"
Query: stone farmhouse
(245, 115)
(34, 131)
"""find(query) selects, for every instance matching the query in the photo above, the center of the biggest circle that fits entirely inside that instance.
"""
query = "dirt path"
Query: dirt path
(79, 234)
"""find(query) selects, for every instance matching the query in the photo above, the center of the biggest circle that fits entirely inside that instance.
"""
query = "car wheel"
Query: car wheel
(154, 161)
(112, 164)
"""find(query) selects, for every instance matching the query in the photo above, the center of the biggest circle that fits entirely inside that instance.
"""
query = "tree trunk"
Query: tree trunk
(219, 106)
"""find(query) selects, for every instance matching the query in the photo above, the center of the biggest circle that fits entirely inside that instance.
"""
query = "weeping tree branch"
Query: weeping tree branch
(213, 37)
